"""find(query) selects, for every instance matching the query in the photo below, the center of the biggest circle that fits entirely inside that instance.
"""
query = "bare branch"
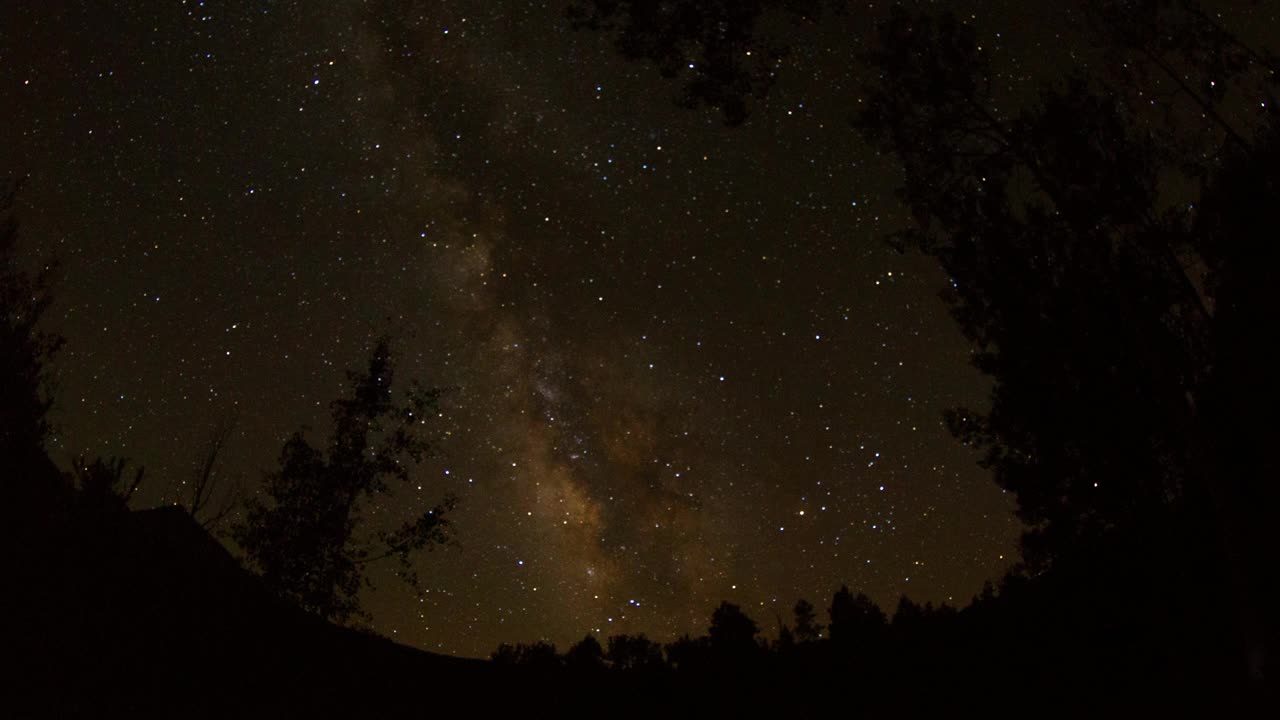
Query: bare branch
(207, 481)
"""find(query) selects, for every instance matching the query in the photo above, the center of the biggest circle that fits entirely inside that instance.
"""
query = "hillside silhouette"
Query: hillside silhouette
(145, 613)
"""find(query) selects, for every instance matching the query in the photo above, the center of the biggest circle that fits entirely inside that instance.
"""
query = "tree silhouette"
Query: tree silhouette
(1069, 272)
(717, 50)
(633, 652)
(29, 479)
(306, 539)
(786, 638)
(207, 484)
(1234, 232)
(102, 483)
(1176, 50)
(540, 656)
(732, 632)
(854, 619)
(688, 654)
(1094, 303)
(1065, 275)
(505, 654)
(1109, 258)
(807, 627)
(909, 613)
(586, 654)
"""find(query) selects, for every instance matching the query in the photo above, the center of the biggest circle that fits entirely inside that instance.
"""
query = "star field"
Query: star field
(685, 366)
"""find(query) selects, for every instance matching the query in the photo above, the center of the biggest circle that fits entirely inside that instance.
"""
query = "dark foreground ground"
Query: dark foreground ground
(145, 615)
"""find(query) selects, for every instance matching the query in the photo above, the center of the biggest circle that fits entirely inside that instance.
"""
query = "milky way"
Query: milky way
(684, 365)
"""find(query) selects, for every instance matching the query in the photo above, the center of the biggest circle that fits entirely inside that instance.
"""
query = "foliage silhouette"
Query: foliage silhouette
(29, 481)
(732, 633)
(1043, 639)
(1109, 256)
(633, 652)
(689, 654)
(586, 655)
(1061, 293)
(102, 483)
(807, 627)
(1073, 276)
(1090, 301)
(718, 50)
(306, 539)
(1094, 304)
(1176, 49)
(1133, 417)
(539, 656)
(786, 638)
(854, 619)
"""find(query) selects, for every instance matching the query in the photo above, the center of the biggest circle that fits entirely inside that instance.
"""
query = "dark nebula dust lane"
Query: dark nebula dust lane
(686, 367)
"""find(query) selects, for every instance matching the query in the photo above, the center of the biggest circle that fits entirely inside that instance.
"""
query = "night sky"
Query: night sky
(687, 366)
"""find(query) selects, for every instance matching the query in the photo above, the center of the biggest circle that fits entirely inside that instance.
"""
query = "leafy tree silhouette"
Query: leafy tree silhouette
(505, 654)
(1127, 330)
(585, 655)
(689, 654)
(1059, 206)
(1154, 45)
(102, 483)
(540, 655)
(1234, 232)
(908, 613)
(716, 49)
(29, 481)
(807, 627)
(633, 652)
(1092, 302)
(786, 641)
(1065, 274)
(732, 633)
(304, 540)
(854, 619)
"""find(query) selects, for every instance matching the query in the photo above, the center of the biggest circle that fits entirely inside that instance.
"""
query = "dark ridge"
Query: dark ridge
(145, 613)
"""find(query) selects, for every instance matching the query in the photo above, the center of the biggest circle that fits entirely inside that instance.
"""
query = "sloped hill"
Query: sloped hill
(145, 613)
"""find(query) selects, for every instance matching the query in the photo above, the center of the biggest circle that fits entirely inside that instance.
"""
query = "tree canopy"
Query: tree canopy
(308, 537)
(1109, 259)
(25, 352)
(716, 49)
(807, 627)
